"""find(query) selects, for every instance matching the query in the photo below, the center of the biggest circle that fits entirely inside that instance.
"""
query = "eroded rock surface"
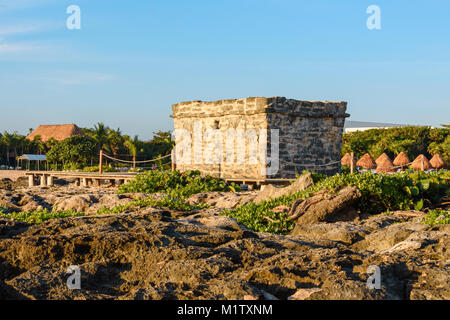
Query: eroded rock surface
(270, 192)
(84, 200)
(222, 200)
(326, 207)
(159, 254)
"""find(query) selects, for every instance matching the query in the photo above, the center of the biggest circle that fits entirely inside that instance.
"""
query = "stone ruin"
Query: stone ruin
(237, 139)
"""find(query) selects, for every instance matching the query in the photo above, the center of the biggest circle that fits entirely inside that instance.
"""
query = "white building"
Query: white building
(352, 126)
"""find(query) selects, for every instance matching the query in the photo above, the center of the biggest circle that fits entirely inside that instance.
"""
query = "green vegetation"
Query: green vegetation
(165, 202)
(67, 155)
(400, 191)
(73, 152)
(380, 193)
(4, 210)
(411, 140)
(38, 216)
(174, 184)
(107, 168)
(437, 217)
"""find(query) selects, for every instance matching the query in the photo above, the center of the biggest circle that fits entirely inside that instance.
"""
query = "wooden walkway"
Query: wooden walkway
(84, 179)
(258, 182)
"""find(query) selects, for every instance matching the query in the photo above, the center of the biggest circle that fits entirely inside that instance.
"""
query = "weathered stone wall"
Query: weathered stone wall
(310, 135)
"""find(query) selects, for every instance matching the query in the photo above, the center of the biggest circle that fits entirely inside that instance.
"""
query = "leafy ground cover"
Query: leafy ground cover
(380, 193)
(175, 184)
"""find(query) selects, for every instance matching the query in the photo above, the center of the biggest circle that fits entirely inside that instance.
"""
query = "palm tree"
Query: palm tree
(8, 142)
(132, 145)
(37, 141)
(21, 142)
(162, 137)
(115, 140)
(51, 143)
(100, 135)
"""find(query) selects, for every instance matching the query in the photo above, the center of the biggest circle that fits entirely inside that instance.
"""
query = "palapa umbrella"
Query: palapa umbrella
(366, 162)
(346, 160)
(385, 165)
(437, 162)
(421, 163)
(401, 160)
(382, 159)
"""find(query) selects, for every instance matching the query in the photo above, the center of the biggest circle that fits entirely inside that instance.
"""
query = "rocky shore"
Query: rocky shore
(165, 254)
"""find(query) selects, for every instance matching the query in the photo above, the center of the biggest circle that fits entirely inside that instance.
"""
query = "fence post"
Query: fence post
(352, 164)
(172, 156)
(100, 163)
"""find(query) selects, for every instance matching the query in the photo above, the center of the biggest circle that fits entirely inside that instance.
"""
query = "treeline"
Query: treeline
(411, 140)
(84, 150)
(14, 144)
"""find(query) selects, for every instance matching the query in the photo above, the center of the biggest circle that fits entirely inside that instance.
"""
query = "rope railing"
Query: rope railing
(396, 167)
(309, 165)
(399, 167)
(319, 165)
(133, 162)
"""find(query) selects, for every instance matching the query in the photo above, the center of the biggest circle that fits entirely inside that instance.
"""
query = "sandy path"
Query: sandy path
(11, 174)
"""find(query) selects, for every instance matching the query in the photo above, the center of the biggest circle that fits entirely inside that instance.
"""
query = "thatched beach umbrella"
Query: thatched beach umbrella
(366, 162)
(346, 160)
(437, 162)
(385, 165)
(421, 163)
(401, 160)
(382, 159)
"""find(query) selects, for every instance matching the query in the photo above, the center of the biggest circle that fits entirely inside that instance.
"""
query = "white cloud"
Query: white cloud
(8, 32)
(13, 30)
(8, 5)
(18, 47)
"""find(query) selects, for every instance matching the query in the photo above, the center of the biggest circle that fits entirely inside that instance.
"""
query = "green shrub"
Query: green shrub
(4, 210)
(413, 140)
(175, 184)
(77, 149)
(72, 166)
(107, 168)
(399, 191)
(166, 202)
(437, 217)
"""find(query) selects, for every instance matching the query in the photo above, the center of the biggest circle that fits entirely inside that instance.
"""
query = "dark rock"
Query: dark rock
(6, 184)
(152, 255)
(326, 208)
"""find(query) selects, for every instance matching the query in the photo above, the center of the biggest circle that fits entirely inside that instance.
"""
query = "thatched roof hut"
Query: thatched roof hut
(58, 132)
(346, 160)
(366, 162)
(417, 163)
(385, 165)
(401, 160)
(437, 162)
(382, 159)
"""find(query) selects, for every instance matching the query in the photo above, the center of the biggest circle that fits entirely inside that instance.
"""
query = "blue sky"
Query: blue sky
(131, 60)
